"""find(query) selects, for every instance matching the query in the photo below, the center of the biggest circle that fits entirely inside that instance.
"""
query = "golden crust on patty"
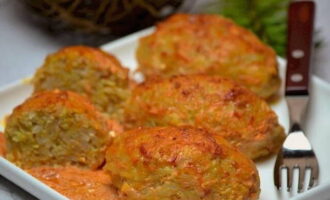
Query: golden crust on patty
(2, 145)
(209, 44)
(179, 163)
(89, 72)
(213, 103)
(75, 183)
(58, 128)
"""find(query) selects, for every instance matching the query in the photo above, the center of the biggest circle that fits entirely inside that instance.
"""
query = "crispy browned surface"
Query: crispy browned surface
(89, 72)
(58, 128)
(179, 163)
(210, 44)
(2, 144)
(53, 98)
(213, 103)
(75, 183)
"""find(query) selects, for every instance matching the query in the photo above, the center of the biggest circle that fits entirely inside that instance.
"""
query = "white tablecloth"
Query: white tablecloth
(23, 46)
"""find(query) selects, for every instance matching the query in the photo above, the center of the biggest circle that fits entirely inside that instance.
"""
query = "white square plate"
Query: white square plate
(124, 49)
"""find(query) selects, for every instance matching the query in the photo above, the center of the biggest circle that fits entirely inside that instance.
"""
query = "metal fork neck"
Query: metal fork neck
(297, 108)
(295, 127)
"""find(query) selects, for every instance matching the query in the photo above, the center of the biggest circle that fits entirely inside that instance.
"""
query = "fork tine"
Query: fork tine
(315, 173)
(314, 176)
(277, 177)
(311, 180)
(289, 177)
(301, 180)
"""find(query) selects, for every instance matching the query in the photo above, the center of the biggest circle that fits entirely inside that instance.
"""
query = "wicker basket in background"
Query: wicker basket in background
(95, 21)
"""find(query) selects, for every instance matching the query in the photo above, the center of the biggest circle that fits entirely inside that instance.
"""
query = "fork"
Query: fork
(297, 152)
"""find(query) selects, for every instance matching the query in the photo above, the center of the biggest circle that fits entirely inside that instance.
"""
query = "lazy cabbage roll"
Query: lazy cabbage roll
(88, 71)
(179, 163)
(209, 44)
(76, 183)
(58, 128)
(211, 102)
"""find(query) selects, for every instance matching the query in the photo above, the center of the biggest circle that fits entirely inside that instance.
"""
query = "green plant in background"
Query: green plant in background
(266, 18)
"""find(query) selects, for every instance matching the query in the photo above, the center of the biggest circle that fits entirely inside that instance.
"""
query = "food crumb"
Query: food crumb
(27, 80)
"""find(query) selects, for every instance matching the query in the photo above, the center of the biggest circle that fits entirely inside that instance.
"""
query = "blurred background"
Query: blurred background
(31, 29)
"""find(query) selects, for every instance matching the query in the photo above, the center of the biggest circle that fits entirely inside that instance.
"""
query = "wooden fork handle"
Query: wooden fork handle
(299, 46)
